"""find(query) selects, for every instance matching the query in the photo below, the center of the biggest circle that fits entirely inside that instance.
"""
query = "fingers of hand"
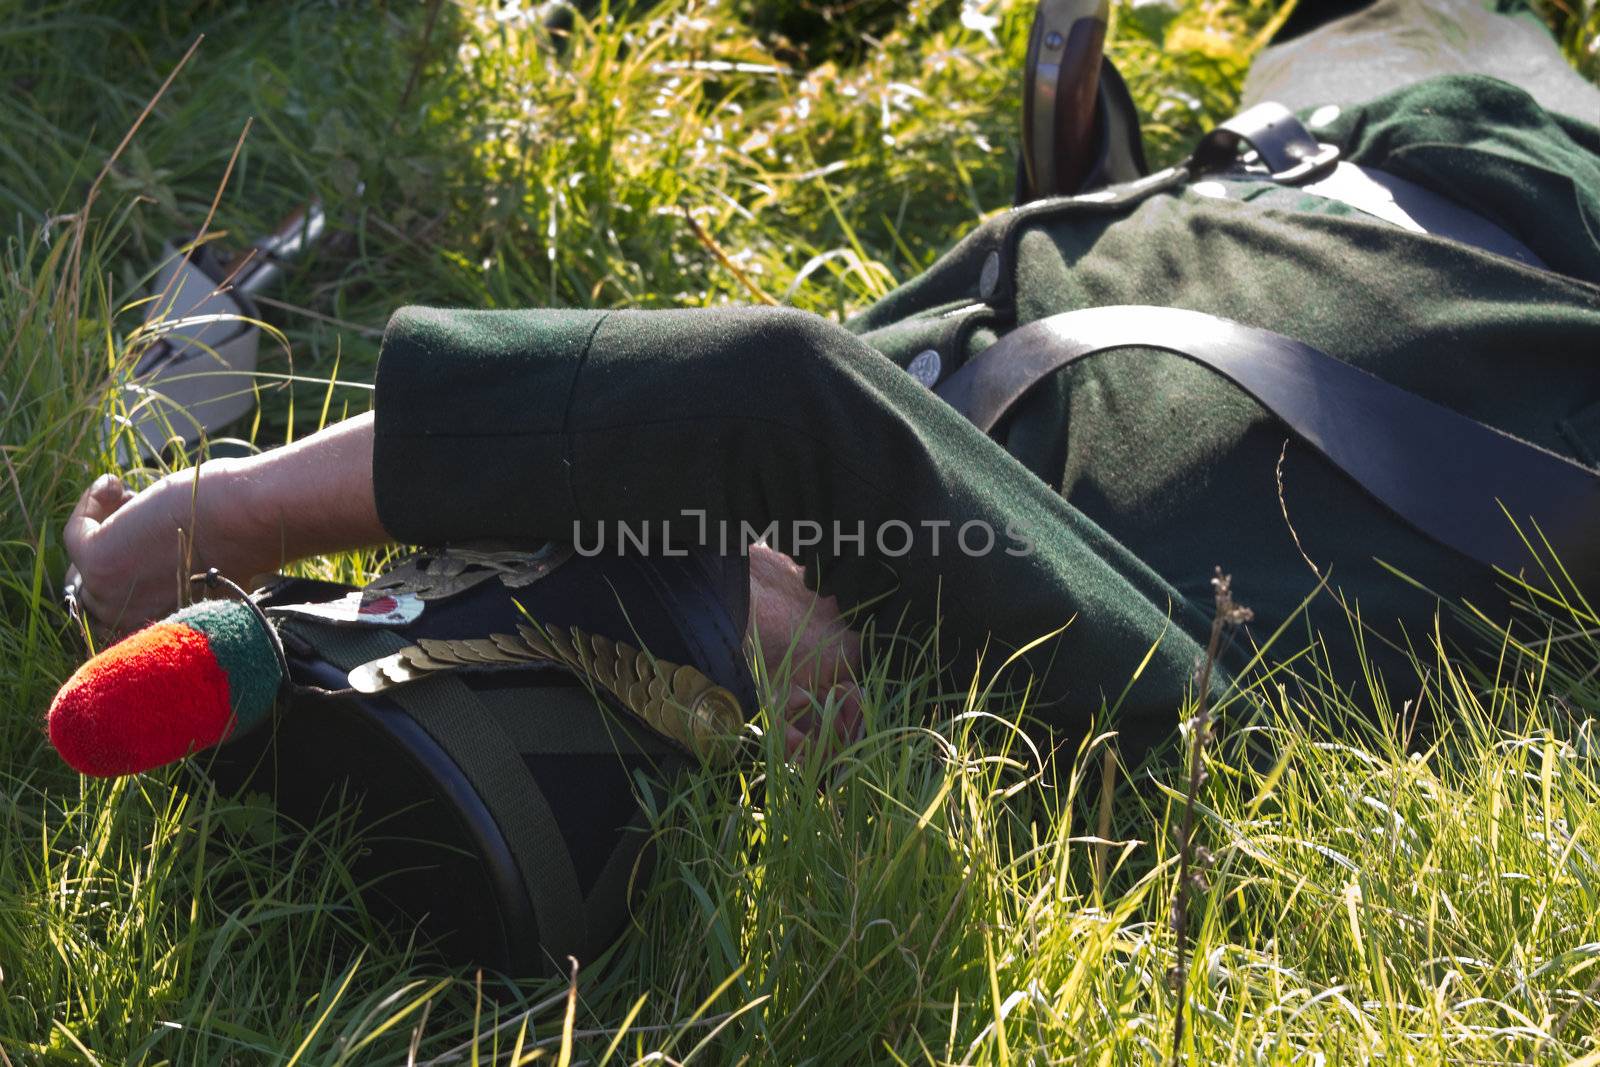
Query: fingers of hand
(806, 716)
(97, 504)
(100, 565)
(827, 651)
(822, 664)
(804, 637)
(112, 610)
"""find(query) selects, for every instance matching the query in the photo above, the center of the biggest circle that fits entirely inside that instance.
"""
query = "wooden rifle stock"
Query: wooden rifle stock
(1065, 48)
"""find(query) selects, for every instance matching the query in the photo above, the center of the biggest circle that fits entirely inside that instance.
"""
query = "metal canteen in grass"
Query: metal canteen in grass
(196, 376)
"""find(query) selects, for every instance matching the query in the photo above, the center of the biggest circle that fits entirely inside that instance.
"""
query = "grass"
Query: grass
(945, 894)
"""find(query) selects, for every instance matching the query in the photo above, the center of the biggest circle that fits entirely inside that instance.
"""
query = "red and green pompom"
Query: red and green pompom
(174, 688)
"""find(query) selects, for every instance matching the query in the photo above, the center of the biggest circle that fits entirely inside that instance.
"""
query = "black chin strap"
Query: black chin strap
(1450, 477)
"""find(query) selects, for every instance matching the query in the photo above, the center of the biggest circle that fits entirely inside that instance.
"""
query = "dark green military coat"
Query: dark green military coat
(1127, 479)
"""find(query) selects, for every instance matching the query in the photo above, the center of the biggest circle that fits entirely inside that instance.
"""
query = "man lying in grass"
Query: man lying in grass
(1099, 509)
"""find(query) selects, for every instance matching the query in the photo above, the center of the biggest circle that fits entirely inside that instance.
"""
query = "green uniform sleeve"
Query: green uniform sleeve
(471, 436)
(549, 424)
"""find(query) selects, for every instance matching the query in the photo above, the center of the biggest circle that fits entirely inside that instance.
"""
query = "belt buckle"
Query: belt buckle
(1310, 167)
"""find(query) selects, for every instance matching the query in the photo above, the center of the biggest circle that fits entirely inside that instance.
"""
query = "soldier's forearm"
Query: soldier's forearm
(134, 551)
(310, 497)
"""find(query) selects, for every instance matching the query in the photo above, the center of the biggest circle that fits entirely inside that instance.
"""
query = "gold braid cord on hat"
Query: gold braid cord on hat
(677, 701)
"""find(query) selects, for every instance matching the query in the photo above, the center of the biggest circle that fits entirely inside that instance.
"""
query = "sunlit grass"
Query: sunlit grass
(1399, 882)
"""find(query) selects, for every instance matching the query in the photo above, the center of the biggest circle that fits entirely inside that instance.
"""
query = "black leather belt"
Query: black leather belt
(1446, 475)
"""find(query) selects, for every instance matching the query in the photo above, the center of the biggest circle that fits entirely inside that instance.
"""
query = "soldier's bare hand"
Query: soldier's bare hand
(243, 516)
(133, 552)
(791, 625)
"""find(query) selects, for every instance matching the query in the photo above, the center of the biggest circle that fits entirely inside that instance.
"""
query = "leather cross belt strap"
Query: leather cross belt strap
(1282, 151)
(1448, 476)
(1411, 207)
